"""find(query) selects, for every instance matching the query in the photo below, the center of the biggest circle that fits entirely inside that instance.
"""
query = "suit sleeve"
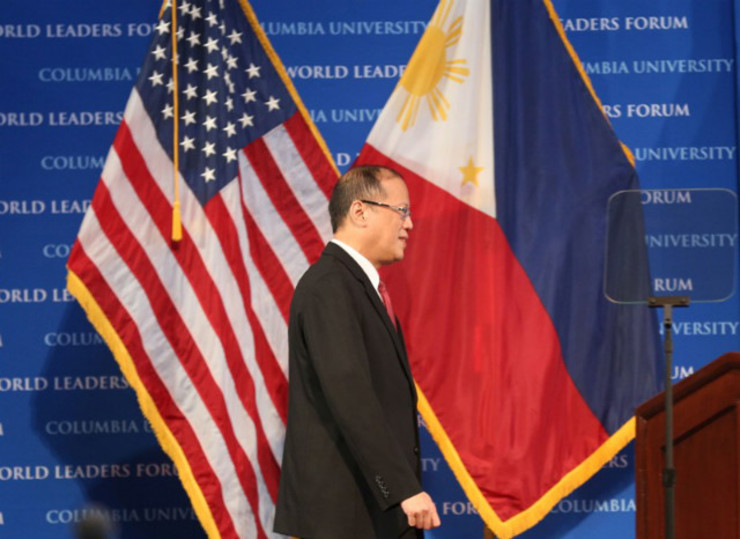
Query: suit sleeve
(333, 336)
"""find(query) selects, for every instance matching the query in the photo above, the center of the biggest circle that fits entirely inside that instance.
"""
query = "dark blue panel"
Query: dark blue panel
(557, 163)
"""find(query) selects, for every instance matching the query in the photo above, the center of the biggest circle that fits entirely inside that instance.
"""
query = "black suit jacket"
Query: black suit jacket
(351, 449)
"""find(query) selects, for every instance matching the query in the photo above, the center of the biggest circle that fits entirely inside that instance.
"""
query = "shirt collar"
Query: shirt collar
(363, 262)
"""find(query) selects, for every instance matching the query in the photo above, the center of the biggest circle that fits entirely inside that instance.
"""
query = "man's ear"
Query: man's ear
(356, 214)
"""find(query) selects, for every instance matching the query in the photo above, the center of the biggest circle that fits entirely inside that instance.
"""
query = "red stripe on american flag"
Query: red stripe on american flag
(284, 200)
(207, 293)
(312, 154)
(177, 332)
(268, 264)
(126, 328)
(275, 381)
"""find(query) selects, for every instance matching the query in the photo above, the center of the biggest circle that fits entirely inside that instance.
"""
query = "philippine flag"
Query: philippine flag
(528, 376)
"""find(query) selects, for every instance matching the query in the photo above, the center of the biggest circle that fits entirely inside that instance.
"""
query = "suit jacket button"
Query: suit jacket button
(416, 450)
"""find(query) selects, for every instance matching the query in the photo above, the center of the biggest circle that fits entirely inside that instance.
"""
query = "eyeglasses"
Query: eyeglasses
(405, 211)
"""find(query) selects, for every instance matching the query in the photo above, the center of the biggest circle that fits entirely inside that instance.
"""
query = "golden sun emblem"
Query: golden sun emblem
(429, 64)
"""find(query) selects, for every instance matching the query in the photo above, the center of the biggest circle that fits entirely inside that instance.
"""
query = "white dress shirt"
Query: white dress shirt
(364, 263)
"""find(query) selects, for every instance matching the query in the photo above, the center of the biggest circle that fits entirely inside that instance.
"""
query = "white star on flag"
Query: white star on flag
(209, 123)
(246, 119)
(156, 78)
(209, 174)
(194, 39)
(188, 143)
(209, 148)
(235, 37)
(191, 65)
(160, 52)
(253, 71)
(168, 111)
(188, 117)
(249, 95)
(211, 44)
(229, 82)
(191, 91)
(210, 97)
(230, 129)
(211, 71)
(162, 27)
(272, 103)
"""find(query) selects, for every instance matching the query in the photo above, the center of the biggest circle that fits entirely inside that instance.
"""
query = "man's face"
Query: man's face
(389, 231)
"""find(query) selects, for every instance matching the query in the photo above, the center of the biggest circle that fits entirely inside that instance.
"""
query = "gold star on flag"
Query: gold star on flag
(470, 172)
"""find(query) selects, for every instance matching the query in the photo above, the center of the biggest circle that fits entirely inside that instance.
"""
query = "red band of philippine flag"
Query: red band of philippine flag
(528, 377)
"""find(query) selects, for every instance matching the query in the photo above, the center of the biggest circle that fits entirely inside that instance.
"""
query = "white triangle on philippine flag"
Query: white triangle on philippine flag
(438, 121)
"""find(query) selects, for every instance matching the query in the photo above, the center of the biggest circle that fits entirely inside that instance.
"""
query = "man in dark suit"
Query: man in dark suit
(351, 467)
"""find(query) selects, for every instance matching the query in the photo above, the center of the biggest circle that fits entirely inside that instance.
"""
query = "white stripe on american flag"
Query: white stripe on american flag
(163, 357)
(273, 434)
(273, 326)
(299, 178)
(233, 302)
(263, 302)
(268, 219)
(210, 250)
(139, 222)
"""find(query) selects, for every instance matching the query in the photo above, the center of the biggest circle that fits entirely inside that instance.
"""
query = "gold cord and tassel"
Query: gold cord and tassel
(176, 217)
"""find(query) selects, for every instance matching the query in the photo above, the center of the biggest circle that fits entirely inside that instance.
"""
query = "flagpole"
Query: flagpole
(669, 470)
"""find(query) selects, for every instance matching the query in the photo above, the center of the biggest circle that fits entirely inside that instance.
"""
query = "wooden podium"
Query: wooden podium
(706, 453)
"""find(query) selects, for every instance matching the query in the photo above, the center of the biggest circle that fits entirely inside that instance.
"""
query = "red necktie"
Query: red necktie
(387, 301)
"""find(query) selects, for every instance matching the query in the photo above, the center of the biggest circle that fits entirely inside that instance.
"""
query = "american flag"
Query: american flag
(199, 326)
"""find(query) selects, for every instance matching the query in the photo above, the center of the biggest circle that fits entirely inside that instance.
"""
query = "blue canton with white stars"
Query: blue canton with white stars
(229, 91)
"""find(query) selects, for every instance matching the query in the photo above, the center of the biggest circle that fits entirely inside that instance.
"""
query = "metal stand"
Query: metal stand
(669, 472)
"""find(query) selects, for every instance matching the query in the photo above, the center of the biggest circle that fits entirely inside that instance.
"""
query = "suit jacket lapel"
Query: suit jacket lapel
(335, 250)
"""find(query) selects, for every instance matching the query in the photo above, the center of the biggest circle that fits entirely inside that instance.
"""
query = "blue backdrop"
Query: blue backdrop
(72, 439)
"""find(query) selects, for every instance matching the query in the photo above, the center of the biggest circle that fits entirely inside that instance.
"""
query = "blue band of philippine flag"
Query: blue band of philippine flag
(528, 376)
(199, 326)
